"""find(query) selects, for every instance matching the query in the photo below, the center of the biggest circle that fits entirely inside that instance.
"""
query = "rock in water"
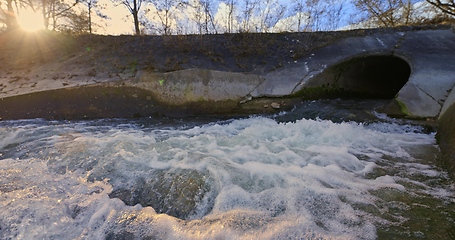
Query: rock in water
(275, 105)
(176, 192)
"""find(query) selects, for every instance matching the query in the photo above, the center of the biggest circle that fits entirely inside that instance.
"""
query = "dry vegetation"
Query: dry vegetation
(113, 55)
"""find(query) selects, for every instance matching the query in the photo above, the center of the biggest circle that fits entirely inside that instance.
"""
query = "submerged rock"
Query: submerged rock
(180, 193)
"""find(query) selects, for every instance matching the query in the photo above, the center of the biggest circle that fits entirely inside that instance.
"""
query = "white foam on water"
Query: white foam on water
(302, 179)
(39, 204)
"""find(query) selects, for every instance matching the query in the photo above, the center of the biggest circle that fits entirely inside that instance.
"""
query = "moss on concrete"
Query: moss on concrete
(403, 108)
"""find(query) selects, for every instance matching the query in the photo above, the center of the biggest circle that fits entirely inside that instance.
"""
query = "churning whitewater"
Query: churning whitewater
(252, 178)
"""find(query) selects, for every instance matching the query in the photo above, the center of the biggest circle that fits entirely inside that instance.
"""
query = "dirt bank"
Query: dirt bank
(32, 62)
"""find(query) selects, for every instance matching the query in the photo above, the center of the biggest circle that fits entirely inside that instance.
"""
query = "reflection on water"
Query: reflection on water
(328, 169)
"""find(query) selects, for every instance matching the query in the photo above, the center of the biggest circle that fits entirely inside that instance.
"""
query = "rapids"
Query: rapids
(326, 170)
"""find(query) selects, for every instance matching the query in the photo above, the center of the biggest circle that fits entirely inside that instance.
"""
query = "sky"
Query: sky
(120, 20)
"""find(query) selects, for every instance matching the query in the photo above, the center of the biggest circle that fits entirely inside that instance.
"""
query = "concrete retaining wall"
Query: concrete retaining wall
(195, 85)
(429, 53)
(446, 138)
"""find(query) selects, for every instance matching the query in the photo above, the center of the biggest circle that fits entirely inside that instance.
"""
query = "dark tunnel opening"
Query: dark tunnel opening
(366, 77)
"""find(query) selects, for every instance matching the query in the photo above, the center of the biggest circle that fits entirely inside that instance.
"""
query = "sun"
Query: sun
(30, 21)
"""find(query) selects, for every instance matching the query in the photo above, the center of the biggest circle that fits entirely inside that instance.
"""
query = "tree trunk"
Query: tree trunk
(447, 7)
(45, 16)
(135, 16)
(11, 20)
(136, 24)
(90, 17)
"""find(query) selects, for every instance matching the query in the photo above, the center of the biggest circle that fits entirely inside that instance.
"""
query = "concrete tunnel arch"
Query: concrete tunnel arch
(374, 76)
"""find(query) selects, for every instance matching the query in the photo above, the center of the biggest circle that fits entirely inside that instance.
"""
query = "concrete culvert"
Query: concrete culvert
(370, 77)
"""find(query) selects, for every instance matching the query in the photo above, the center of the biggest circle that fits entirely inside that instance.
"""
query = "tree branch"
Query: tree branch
(448, 7)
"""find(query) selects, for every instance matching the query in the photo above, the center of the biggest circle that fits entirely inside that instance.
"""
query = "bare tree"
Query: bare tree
(77, 23)
(231, 6)
(334, 10)
(53, 10)
(386, 13)
(165, 11)
(249, 6)
(8, 16)
(302, 16)
(208, 16)
(93, 7)
(270, 12)
(134, 6)
(90, 4)
(203, 16)
(197, 15)
(447, 7)
(318, 15)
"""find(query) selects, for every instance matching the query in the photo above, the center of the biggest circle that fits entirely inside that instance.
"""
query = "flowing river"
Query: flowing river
(326, 170)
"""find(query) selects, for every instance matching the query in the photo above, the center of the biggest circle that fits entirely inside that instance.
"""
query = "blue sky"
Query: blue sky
(120, 20)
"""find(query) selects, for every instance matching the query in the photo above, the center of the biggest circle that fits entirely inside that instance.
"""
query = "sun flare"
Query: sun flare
(30, 21)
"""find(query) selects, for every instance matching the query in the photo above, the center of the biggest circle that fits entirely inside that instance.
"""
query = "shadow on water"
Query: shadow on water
(363, 111)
